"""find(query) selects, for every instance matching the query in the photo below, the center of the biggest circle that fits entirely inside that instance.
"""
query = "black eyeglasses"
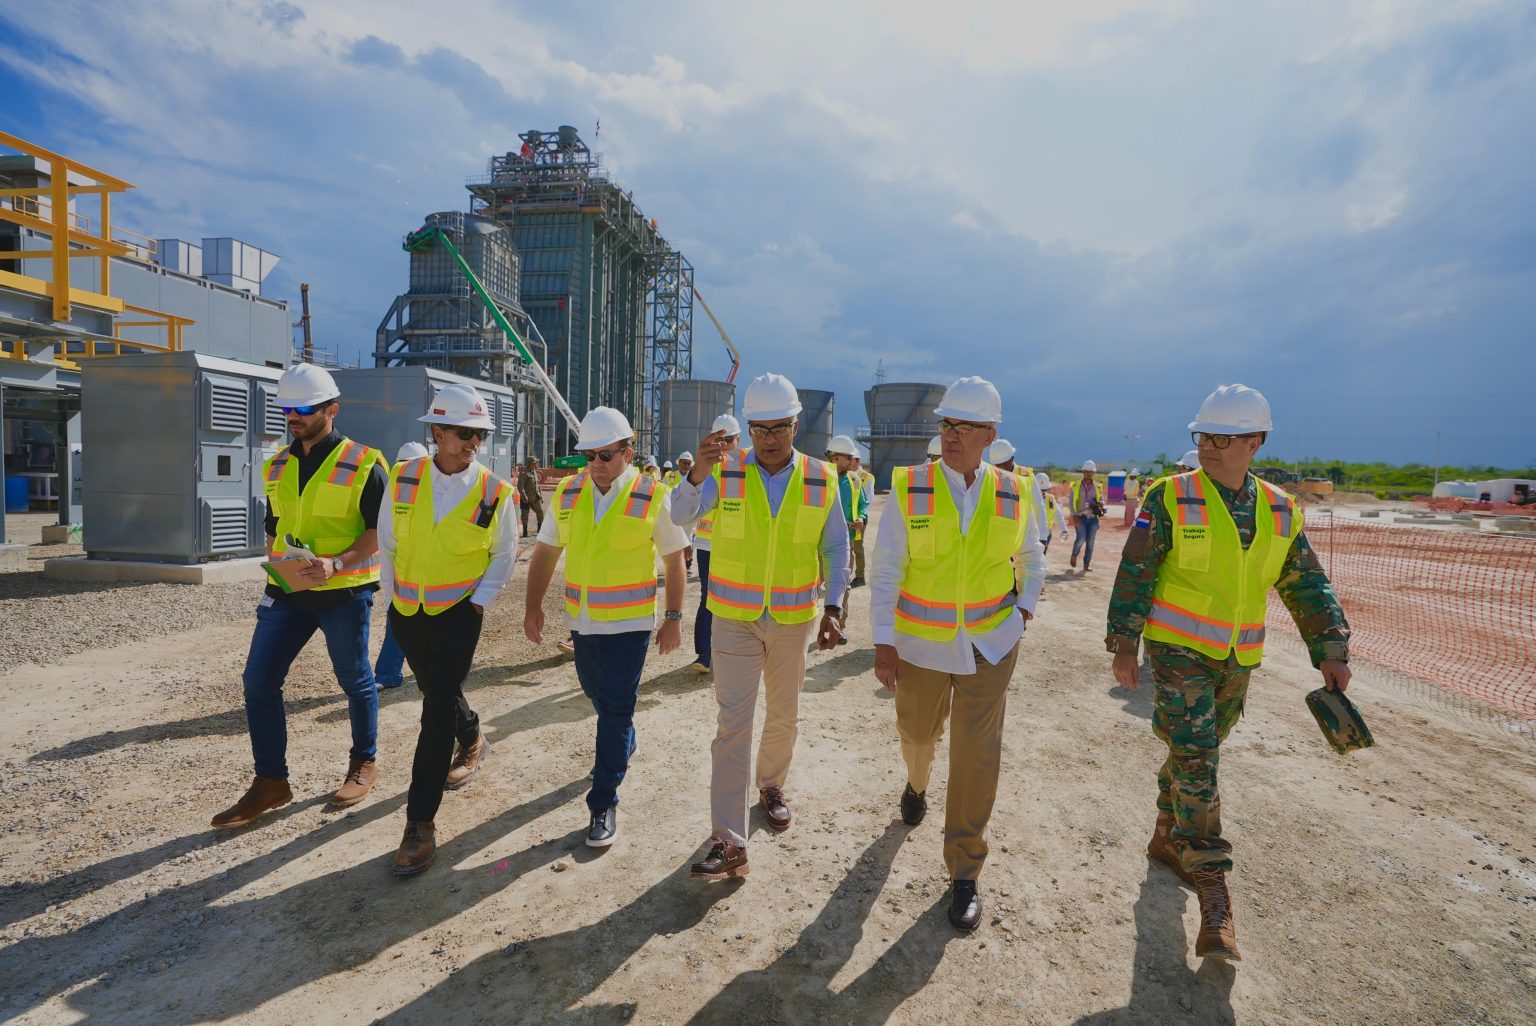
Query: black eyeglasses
(1217, 441)
(770, 430)
(959, 427)
(606, 455)
(469, 433)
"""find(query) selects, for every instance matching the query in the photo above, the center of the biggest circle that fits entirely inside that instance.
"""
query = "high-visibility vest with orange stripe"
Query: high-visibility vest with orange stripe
(327, 517)
(439, 563)
(610, 565)
(759, 562)
(1211, 594)
(704, 527)
(953, 578)
(1075, 491)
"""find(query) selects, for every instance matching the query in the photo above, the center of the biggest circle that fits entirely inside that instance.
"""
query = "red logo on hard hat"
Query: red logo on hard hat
(440, 413)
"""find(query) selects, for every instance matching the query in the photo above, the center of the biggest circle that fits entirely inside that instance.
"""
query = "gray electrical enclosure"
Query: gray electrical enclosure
(173, 447)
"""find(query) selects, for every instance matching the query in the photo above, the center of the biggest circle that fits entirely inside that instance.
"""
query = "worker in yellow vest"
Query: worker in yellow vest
(669, 475)
(684, 465)
(1054, 517)
(1194, 583)
(948, 616)
(729, 432)
(867, 489)
(612, 523)
(841, 452)
(323, 495)
(772, 511)
(449, 545)
(1084, 508)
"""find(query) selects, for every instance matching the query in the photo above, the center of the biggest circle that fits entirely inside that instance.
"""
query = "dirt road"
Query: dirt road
(1393, 886)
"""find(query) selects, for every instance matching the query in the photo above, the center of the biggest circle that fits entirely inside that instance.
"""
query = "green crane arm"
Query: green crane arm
(424, 239)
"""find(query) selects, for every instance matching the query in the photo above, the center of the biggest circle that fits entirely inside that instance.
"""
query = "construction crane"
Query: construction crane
(422, 240)
(735, 353)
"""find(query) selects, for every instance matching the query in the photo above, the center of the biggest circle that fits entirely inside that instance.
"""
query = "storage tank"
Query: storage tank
(901, 421)
(688, 409)
(815, 421)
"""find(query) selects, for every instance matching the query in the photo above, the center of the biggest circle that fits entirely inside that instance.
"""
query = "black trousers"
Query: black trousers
(440, 650)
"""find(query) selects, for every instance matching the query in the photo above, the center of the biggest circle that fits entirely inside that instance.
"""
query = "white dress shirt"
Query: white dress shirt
(448, 490)
(669, 538)
(958, 655)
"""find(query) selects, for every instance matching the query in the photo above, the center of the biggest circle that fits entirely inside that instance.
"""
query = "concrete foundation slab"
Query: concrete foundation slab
(13, 557)
(83, 568)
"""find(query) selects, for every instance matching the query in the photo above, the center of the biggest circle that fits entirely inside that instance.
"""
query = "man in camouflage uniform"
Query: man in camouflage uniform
(1199, 695)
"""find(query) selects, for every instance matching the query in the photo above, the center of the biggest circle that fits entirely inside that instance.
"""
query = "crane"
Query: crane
(424, 239)
(735, 353)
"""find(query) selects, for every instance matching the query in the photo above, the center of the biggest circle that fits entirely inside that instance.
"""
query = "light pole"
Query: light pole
(1130, 448)
(1437, 460)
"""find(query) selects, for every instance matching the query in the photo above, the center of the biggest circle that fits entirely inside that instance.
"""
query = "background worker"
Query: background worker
(1189, 461)
(1054, 517)
(935, 448)
(729, 432)
(772, 522)
(1085, 507)
(669, 475)
(528, 495)
(948, 616)
(1194, 583)
(841, 452)
(449, 546)
(867, 487)
(389, 667)
(611, 523)
(1132, 493)
(323, 491)
(684, 465)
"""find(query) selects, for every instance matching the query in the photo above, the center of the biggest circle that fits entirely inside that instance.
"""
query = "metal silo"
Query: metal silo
(901, 421)
(815, 421)
(688, 409)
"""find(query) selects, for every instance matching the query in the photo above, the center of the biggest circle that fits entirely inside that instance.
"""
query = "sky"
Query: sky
(1106, 208)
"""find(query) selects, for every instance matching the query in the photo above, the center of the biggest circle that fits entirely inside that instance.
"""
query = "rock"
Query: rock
(561, 866)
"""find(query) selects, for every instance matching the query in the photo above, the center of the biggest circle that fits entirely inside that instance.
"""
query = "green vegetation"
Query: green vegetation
(1386, 480)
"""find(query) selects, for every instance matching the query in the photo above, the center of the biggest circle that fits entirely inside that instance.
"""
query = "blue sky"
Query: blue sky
(1107, 208)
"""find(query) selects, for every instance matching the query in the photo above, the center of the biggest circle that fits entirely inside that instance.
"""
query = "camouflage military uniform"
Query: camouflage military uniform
(1198, 700)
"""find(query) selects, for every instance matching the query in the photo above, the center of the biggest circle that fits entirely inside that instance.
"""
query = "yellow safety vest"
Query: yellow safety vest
(610, 565)
(671, 479)
(1077, 493)
(856, 490)
(953, 577)
(440, 562)
(327, 516)
(704, 528)
(1211, 594)
(761, 562)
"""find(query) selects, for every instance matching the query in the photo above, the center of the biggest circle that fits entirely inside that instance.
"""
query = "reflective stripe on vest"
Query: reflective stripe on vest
(337, 493)
(571, 491)
(920, 491)
(610, 564)
(274, 471)
(409, 480)
(1189, 493)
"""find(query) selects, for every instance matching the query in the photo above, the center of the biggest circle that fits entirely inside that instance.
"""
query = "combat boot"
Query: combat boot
(1162, 848)
(467, 763)
(1218, 931)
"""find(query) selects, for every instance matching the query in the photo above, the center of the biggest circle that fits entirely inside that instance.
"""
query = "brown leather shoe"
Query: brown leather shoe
(362, 774)
(1218, 931)
(724, 862)
(417, 849)
(777, 808)
(467, 763)
(264, 795)
(1162, 848)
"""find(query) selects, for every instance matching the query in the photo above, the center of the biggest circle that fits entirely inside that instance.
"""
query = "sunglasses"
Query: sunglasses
(469, 433)
(303, 411)
(1217, 441)
(959, 427)
(606, 455)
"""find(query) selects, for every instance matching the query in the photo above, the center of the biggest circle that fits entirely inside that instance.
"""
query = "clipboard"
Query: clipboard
(285, 574)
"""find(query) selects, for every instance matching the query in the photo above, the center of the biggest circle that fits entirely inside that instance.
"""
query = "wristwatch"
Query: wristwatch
(672, 614)
(832, 609)
(336, 564)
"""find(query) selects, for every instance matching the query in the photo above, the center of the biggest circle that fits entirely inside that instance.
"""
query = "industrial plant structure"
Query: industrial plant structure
(901, 423)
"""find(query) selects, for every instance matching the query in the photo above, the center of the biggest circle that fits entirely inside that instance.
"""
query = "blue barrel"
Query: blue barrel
(16, 495)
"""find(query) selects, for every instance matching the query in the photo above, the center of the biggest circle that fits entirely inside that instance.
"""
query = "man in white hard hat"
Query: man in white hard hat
(1194, 584)
(449, 545)
(867, 488)
(935, 448)
(841, 453)
(651, 469)
(389, 667)
(1054, 517)
(773, 524)
(729, 432)
(948, 615)
(323, 495)
(612, 523)
(1132, 493)
(1085, 507)
(669, 475)
(1189, 461)
(684, 465)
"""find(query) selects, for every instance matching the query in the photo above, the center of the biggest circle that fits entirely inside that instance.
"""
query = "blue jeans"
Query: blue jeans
(389, 668)
(609, 666)
(281, 633)
(1087, 528)
(704, 620)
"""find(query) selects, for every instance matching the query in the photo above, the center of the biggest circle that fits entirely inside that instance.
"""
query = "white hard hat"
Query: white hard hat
(1233, 410)
(304, 384)
(667, 465)
(685, 456)
(973, 399)
(1190, 459)
(727, 423)
(1090, 465)
(411, 451)
(1136, 472)
(771, 397)
(1000, 451)
(935, 446)
(650, 463)
(842, 444)
(603, 425)
(1043, 480)
(459, 406)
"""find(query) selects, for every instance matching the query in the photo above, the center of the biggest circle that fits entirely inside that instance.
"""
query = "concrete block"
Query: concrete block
(13, 557)
(56, 534)
(83, 568)
(1370, 513)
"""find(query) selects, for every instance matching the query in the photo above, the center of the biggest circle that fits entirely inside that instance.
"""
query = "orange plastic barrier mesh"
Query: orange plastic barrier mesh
(1449, 605)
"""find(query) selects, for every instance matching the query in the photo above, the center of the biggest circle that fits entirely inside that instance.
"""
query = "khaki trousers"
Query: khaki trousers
(975, 702)
(744, 654)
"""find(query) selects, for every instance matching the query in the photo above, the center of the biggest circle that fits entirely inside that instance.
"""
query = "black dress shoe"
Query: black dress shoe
(965, 906)
(605, 825)
(914, 806)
